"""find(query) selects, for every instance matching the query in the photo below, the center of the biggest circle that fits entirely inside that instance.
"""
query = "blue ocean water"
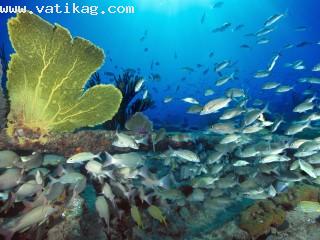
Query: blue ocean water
(176, 38)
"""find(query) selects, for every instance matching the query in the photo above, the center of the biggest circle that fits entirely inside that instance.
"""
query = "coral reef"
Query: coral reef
(139, 123)
(259, 219)
(54, 69)
(130, 103)
(229, 231)
(299, 226)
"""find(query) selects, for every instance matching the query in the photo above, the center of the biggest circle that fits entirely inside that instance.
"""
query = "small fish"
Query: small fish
(204, 181)
(107, 192)
(208, 92)
(125, 141)
(138, 85)
(288, 46)
(296, 128)
(273, 19)
(253, 115)
(145, 94)
(223, 128)
(220, 66)
(230, 138)
(262, 74)
(10, 178)
(156, 213)
(222, 28)
(223, 80)
(36, 216)
(263, 41)
(28, 189)
(284, 88)
(297, 65)
(240, 163)
(245, 46)
(29, 162)
(197, 195)
(82, 157)
(303, 44)
(270, 85)
(131, 160)
(187, 69)
(303, 107)
(185, 155)
(190, 100)
(308, 207)
(205, 72)
(273, 62)
(194, 109)
(301, 28)
(135, 214)
(275, 158)
(102, 208)
(167, 99)
(307, 168)
(276, 125)
(316, 68)
(264, 31)
(8, 158)
(232, 113)
(238, 27)
(235, 93)
(215, 105)
(218, 4)
(203, 18)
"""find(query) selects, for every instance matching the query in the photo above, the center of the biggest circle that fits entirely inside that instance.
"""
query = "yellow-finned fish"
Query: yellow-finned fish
(135, 214)
(156, 213)
(308, 206)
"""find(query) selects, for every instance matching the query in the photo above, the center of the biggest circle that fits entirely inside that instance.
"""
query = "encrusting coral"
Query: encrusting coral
(258, 219)
(46, 79)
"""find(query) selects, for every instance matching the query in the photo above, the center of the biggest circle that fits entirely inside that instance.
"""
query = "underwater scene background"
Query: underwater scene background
(180, 120)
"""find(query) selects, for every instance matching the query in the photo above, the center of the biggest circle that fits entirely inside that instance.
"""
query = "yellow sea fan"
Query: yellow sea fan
(47, 75)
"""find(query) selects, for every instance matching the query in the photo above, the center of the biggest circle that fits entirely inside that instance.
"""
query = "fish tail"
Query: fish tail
(109, 159)
(164, 222)
(52, 180)
(165, 182)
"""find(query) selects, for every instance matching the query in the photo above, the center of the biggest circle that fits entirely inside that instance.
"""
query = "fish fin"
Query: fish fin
(165, 182)
(266, 109)
(52, 180)
(129, 194)
(109, 173)
(109, 159)
(144, 172)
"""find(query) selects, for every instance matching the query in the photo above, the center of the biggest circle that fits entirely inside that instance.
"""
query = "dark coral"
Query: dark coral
(94, 80)
(3, 99)
(131, 102)
(4, 65)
